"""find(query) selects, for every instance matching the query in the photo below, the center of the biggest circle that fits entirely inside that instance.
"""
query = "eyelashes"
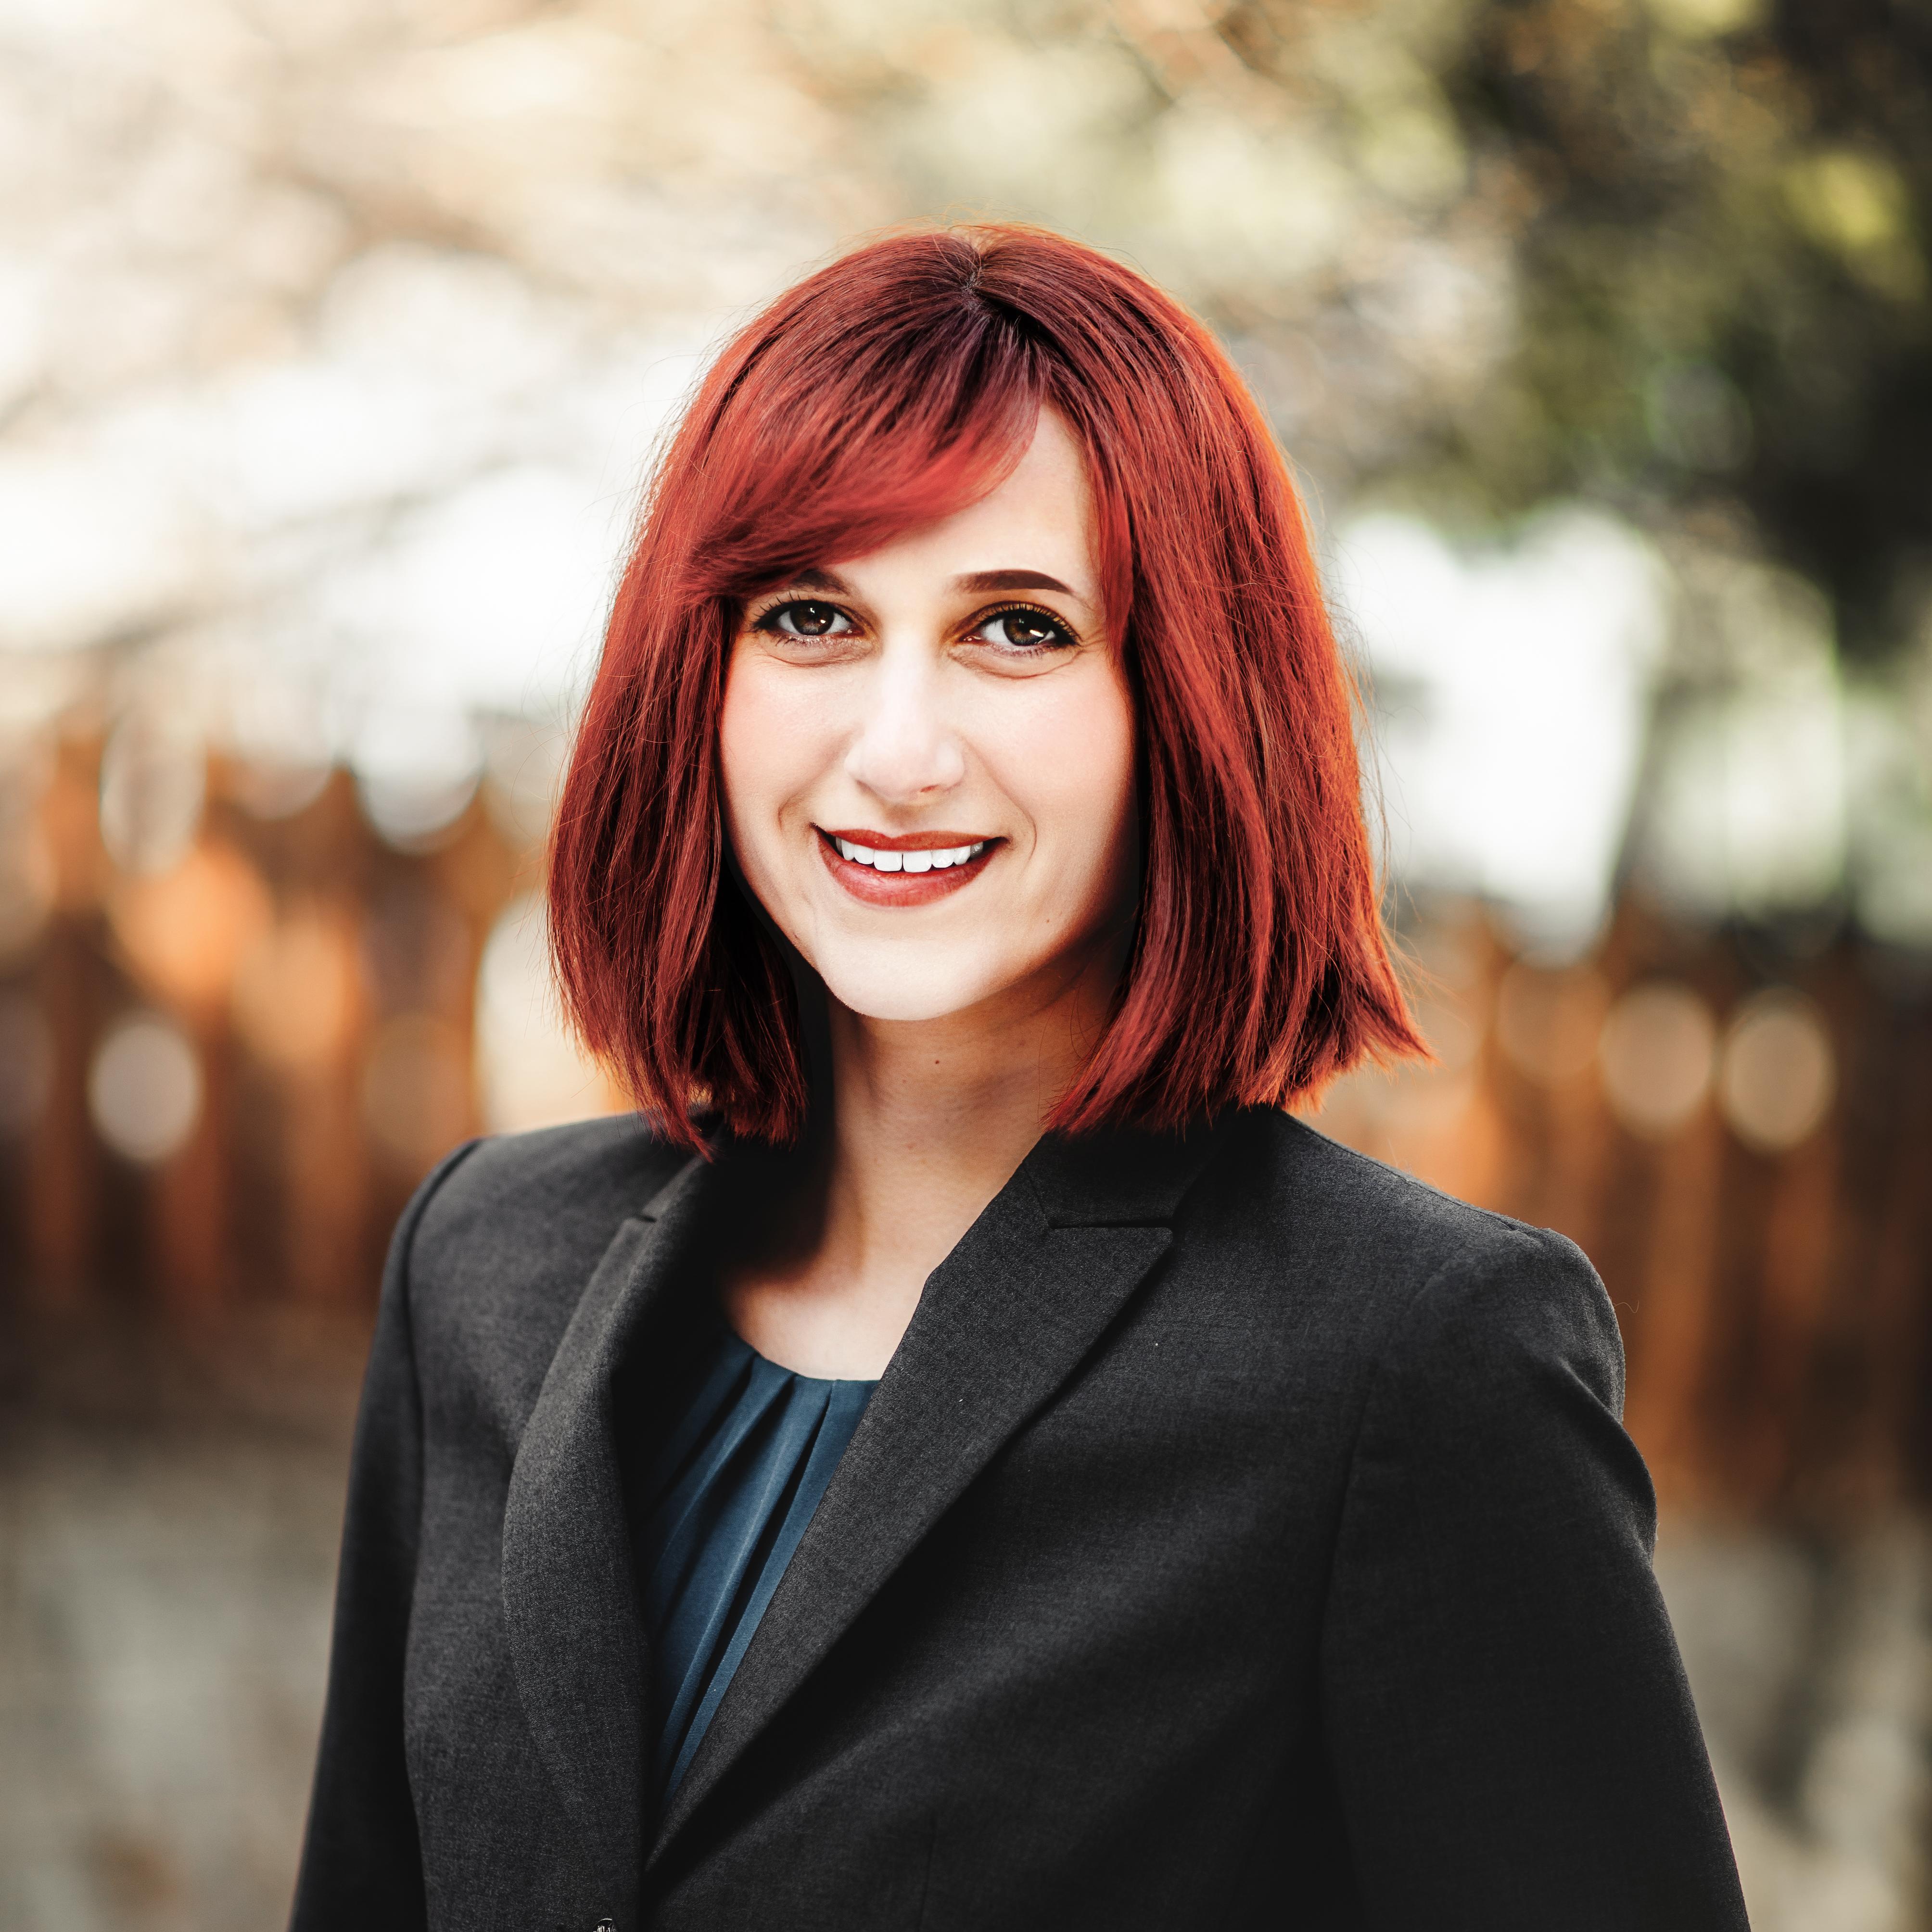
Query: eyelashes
(1049, 633)
(805, 617)
(1029, 630)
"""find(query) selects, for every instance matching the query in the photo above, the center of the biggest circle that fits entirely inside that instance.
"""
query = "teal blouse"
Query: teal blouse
(725, 1502)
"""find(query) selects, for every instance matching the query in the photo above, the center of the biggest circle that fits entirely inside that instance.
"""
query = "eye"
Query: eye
(805, 617)
(1024, 629)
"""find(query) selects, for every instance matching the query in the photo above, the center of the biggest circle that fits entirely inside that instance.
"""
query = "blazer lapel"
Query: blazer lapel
(1001, 1323)
(569, 1602)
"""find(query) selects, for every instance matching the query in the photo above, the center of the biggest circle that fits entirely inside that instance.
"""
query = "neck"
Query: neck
(931, 1118)
(928, 1121)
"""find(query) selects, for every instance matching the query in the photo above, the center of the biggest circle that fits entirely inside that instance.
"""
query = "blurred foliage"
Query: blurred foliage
(1718, 213)
(1726, 297)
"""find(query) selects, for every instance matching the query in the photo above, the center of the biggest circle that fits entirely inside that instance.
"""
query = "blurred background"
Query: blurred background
(334, 338)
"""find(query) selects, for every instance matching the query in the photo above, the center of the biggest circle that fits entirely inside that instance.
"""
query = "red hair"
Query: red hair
(880, 394)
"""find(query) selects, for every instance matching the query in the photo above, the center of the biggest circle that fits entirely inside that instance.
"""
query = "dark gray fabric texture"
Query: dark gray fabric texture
(1242, 1536)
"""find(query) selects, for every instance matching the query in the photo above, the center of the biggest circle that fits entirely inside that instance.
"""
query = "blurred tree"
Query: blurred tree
(1725, 300)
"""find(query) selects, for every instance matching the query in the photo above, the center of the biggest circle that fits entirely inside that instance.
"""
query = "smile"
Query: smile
(879, 870)
(936, 858)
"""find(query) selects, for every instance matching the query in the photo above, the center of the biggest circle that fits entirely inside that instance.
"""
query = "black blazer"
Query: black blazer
(1242, 1536)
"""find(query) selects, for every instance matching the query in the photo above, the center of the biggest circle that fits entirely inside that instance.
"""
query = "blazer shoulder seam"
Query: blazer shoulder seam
(1466, 1212)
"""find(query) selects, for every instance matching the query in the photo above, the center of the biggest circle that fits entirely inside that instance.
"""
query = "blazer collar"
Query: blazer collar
(1001, 1323)
(569, 1600)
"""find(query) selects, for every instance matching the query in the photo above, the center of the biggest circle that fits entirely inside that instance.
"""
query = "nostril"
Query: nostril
(899, 772)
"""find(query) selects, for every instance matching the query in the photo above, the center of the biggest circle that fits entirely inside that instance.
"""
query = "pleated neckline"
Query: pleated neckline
(730, 1495)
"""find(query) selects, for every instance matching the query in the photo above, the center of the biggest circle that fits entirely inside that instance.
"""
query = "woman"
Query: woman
(973, 1460)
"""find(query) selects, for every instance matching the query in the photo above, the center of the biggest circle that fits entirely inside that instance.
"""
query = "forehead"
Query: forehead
(1039, 517)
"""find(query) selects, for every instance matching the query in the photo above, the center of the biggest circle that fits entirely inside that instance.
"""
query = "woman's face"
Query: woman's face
(928, 755)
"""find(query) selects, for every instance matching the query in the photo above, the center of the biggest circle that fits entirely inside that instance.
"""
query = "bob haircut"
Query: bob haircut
(879, 395)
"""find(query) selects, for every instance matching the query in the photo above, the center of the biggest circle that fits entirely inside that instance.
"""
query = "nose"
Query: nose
(904, 752)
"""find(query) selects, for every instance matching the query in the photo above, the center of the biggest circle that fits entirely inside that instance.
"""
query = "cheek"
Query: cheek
(768, 746)
(1070, 769)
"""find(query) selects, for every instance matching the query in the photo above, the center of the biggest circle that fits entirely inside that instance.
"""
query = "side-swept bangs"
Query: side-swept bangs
(879, 395)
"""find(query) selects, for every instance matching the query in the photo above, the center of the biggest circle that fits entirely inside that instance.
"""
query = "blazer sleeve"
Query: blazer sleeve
(1513, 1740)
(360, 1863)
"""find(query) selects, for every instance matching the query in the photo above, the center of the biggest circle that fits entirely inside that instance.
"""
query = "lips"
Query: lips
(908, 858)
(881, 869)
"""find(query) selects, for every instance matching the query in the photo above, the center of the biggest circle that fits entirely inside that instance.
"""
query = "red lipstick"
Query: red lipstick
(941, 863)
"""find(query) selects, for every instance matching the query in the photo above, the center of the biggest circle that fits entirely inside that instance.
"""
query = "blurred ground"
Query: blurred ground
(168, 1521)
(1811, 1658)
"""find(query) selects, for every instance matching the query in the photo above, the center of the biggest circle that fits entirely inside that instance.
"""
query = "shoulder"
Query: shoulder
(591, 1170)
(1417, 1278)
(513, 1225)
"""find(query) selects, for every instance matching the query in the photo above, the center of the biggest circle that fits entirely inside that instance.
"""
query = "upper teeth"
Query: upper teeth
(935, 860)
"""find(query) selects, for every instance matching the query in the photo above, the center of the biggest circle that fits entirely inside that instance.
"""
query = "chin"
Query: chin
(888, 989)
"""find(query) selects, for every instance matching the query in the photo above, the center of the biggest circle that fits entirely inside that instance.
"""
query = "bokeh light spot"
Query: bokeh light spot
(1548, 1024)
(1778, 1073)
(153, 781)
(185, 931)
(296, 992)
(415, 773)
(530, 1071)
(1656, 1052)
(144, 1088)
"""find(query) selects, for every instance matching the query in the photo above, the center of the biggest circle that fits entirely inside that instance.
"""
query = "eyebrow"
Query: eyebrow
(996, 581)
(979, 582)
